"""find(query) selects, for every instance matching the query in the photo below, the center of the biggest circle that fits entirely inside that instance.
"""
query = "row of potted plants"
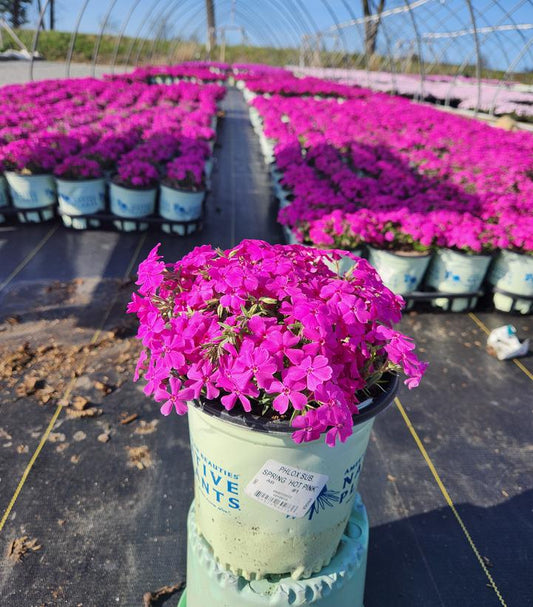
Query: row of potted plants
(492, 96)
(382, 171)
(66, 145)
(195, 71)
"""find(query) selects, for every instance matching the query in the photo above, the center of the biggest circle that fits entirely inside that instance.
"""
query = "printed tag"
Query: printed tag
(286, 489)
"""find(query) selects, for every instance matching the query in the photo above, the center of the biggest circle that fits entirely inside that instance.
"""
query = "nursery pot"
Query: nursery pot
(267, 505)
(32, 191)
(132, 203)
(453, 272)
(83, 197)
(512, 272)
(180, 205)
(400, 273)
(4, 199)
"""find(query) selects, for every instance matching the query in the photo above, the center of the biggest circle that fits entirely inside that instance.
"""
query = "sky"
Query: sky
(287, 22)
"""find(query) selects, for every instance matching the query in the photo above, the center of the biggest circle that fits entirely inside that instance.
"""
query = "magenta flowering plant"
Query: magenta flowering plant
(78, 168)
(136, 174)
(185, 173)
(272, 330)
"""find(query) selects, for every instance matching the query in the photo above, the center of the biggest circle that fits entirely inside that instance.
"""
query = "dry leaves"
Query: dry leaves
(20, 546)
(139, 457)
(5, 435)
(103, 387)
(126, 418)
(164, 592)
(56, 437)
(146, 427)
(76, 414)
(80, 407)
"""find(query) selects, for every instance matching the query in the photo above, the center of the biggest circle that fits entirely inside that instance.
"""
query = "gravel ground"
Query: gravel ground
(12, 72)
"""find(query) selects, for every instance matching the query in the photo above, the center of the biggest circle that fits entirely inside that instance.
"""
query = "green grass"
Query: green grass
(54, 46)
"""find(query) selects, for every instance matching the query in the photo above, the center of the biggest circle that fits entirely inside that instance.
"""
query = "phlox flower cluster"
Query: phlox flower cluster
(189, 71)
(269, 329)
(496, 96)
(87, 128)
(377, 169)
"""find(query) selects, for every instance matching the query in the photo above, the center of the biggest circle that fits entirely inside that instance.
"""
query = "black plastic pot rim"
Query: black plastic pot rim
(368, 409)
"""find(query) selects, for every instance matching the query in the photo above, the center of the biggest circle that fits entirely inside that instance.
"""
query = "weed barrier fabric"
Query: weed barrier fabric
(110, 514)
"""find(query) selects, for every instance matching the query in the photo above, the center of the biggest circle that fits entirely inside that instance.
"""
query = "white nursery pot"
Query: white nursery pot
(84, 197)
(400, 273)
(132, 203)
(453, 272)
(512, 272)
(180, 205)
(32, 191)
(247, 534)
(4, 199)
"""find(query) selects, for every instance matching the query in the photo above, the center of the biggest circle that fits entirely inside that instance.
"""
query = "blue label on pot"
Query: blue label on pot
(84, 204)
(329, 498)
(219, 486)
(134, 208)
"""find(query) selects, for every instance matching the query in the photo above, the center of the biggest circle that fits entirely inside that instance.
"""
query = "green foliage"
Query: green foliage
(54, 46)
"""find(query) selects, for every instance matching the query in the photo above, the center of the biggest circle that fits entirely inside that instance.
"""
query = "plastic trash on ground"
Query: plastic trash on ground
(503, 343)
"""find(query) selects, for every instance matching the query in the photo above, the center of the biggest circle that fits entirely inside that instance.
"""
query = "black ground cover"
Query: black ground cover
(106, 496)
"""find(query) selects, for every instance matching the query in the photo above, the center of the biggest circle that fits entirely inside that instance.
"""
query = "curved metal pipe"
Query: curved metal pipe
(526, 48)
(99, 39)
(420, 57)
(294, 23)
(73, 38)
(121, 34)
(170, 8)
(352, 16)
(466, 61)
(249, 18)
(138, 32)
(340, 31)
(36, 37)
(173, 49)
(478, 55)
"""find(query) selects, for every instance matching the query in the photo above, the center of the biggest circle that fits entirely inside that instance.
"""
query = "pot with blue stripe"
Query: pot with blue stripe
(85, 197)
(32, 192)
(455, 272)
(131, 203)
(180, 206)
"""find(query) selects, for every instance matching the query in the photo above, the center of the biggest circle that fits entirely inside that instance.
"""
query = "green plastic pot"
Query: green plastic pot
(251, 538)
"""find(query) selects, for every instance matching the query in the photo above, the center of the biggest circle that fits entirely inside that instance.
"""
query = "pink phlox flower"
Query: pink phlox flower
(140, 366)
(170, 395)
(239, 386)
(152, 326)
(329, 395)
(315, 370)
(169, 350)
(280, 343)
(310, 427)
(261, 328)
(201, 377)
(154, 376)
(259, 361)
(289, 392)
(340, 420)
(150, 274)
